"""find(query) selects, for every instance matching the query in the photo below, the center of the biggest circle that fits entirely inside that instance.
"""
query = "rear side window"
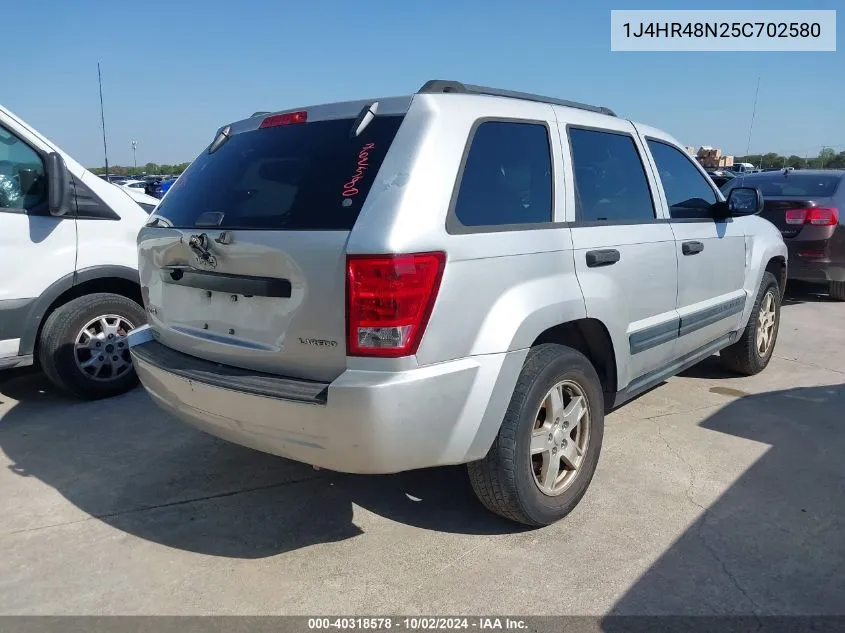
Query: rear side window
(688, 193)
(610, 181)
(507, 177)
(312, 176)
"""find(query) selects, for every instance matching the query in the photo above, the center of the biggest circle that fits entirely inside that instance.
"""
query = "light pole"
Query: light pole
(134, 159)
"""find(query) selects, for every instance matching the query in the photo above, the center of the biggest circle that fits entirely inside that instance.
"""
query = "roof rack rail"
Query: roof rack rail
(441, 86)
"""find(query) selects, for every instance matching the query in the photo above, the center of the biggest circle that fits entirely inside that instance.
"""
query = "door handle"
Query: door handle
(605, 257)
(691, 248)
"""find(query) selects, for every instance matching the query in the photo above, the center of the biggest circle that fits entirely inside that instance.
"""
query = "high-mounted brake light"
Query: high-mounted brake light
(288, 118)
(389, 299)
(817, 216)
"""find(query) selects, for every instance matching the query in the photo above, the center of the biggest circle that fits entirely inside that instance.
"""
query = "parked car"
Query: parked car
(720, 177)
(114, 178)
(807, 207)
(166, 185)
(152, 188)
(462, 275)
(743, 168)
(70, 291)
(134, 184)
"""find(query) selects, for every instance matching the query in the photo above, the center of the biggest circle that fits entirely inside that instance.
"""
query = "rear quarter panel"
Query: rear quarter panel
(500, 288)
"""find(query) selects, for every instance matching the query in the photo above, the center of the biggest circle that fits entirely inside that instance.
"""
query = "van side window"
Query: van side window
(507, 178)
(23, 184)
(688, 193)
(610, 180)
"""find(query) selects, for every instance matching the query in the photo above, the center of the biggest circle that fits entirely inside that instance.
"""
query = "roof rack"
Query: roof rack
(441, 86)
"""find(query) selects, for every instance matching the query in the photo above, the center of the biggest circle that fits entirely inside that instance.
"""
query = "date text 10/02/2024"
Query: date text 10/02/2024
(416, 623)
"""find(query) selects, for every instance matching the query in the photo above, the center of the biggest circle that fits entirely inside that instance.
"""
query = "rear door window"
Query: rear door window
(312, 176)
(610, 180)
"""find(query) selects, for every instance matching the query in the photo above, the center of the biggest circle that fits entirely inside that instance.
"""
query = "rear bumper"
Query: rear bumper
(362, 422)
(818, 269)
(822, 240)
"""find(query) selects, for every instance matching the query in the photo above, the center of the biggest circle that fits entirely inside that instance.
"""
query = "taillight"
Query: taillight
(817, 216)
(288, 118)
(796, 216)
(823, 217)
(389, 299)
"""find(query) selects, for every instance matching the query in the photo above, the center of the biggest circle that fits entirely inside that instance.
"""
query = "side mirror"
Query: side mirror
(57, 185)
(744, 201)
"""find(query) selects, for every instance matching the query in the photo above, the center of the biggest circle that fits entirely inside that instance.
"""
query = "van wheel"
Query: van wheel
(84, 349)
(837, 290)
(548, 446)
(753, 351)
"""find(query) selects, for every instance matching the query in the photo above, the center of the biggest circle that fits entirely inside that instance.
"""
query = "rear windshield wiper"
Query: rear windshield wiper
(364, 118)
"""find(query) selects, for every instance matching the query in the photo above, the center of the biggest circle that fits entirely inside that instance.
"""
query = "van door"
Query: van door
(710, 252)
(36, 248)
(624, 249)
(244, 261)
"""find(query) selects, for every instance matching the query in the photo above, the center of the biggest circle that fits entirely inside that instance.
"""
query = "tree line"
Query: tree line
(149, 168)
(826, 159)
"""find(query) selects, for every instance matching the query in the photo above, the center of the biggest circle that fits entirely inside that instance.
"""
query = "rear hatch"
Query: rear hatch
(243, 262)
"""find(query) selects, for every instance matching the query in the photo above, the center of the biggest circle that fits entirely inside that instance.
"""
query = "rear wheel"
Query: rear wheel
(84, 349)
(753, 351)
(548, 446)
(837, 290)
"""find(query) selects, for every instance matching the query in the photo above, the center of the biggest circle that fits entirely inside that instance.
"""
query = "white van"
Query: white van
(69, 290)
(743, 168)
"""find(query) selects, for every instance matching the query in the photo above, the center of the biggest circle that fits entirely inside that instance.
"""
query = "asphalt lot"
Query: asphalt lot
(714, 494)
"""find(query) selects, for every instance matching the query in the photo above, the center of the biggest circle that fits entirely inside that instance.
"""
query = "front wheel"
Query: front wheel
(84, 348)
(752, 352)
(548, 446)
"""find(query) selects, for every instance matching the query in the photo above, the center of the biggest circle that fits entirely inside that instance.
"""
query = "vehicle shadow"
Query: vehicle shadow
(798, 292)
(125, 462)
(772, 544)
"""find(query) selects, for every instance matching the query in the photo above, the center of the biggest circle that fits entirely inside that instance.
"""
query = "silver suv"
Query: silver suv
(463, 275)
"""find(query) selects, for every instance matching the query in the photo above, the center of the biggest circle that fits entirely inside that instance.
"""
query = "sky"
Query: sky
(174, 72)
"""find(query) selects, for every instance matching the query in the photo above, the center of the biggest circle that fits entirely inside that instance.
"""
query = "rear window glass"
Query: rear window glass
(312, 176)
(791, 184)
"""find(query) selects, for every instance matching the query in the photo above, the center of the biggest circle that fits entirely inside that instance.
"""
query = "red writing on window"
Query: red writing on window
(349, 188)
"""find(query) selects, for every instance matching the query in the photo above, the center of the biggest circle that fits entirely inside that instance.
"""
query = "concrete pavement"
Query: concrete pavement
(714, 494)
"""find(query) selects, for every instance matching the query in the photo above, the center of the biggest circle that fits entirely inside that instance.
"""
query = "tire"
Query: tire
(504, 480)
(744, 356)
(837, 290)
(57, 351)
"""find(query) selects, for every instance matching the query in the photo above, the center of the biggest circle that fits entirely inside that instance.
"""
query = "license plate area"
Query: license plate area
(261, 320)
